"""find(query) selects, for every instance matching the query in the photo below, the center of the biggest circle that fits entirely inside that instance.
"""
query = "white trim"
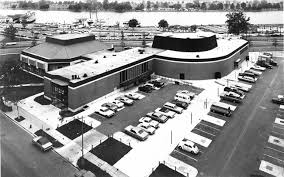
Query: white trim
(32, 73)
(46, 97)
(73, 88)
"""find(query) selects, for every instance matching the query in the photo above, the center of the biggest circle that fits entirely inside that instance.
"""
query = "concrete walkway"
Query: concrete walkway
(25, 85)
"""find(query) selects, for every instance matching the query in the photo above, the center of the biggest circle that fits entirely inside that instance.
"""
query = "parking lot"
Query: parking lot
(130, 115)
(239, 147)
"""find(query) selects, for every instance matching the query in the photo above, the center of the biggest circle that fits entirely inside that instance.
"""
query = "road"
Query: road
(238, 149)
(19, 158)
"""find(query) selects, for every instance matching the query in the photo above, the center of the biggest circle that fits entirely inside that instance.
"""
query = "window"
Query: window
(181, 75)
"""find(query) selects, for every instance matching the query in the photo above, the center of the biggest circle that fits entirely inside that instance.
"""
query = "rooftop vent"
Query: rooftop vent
(104, 56)
(85, 75)
(141, 51)
(197, 56)
(96, 61)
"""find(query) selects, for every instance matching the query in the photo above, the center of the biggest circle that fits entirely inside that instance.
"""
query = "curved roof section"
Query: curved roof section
(50, 50)
(225, 48)
(185, 42)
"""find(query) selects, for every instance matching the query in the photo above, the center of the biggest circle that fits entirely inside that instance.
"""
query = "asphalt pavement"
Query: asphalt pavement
(20, 158)
(237, 149)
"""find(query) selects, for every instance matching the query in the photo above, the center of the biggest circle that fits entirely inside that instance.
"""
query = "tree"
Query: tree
(133, 23)
(237, 22)
(238, 6)
(24, 22)
(105, 5)
(275, 42)
(232, 6)
(243, 5)
(193, 28)
(140, 7)
(203, 6)
(148, 6)
(10, 32)
(163, 24)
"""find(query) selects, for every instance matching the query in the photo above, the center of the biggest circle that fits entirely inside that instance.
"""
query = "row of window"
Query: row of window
(134, 72)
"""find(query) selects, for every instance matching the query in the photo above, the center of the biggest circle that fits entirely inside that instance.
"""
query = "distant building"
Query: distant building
(190, 56)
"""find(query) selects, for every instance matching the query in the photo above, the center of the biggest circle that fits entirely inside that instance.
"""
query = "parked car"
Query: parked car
(166, 112)
(173, 107)
(273, 62)
(42, 142)
(181, 104)
(221, 108)
(256, 73)
(188, 146)
(144, 88)
(186, 92)
(246, 78)
(118, 103)
(110, 106)
(264, 64)
(104, 111)
(147, 127)
(182, 97)
(230, 96)
(133, 96)
(125, 100)
(242, 88)
(157, 83)
(235, 90)
(157, 116)
(279, 99)
(148, 120)
(259, 68)
(136, 132)
(150, 86)
(247, 74)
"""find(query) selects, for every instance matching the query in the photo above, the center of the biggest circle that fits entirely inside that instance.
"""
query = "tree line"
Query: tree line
(105, 5)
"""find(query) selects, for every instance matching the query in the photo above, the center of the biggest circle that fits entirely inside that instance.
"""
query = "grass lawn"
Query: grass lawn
(164, 171)
(54, 142)
(22, 77)
(14, 94)
(111, 151)
(73, 129)
(93, 168)
(19, 119)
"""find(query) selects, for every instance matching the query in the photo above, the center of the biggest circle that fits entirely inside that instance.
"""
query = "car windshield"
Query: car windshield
(43, 141)
(140, 131)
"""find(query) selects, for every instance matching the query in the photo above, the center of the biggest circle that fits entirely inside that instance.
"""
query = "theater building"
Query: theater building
(195, 56)
(59, 51)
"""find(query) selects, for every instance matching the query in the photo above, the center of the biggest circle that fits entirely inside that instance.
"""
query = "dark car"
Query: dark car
(157, 83)
(180, 104)
(263, 64)
(111, 106)
(145, 88)
(278, 100)
(272, 62)
(235, 90)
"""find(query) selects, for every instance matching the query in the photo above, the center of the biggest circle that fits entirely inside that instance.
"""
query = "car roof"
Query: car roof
(189, 142)
(43, 140)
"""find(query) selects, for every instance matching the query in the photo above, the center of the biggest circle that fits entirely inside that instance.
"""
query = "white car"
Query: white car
(104, 111)
(118, 103)
(247, 79)
(148, 120)
(147, 127)
(125, 100)
(166, 112)
(133, 96)
(259, 68)
(188, 146)
(42, 142)
(173, 107)
(186, 92)
(136, 132)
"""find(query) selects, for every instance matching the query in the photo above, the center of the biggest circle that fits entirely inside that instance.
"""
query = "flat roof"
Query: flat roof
(198, 35)
(224, 47)
(103, 62)
(69, 36)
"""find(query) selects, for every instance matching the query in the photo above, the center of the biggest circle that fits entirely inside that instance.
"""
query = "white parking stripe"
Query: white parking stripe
(204, 132)
(274, 149)
(274, 157)
(186, 155)
(210, 127)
